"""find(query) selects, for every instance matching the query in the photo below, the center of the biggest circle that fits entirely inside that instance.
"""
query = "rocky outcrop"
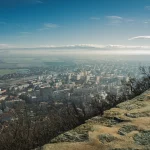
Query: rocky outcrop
(126, 127)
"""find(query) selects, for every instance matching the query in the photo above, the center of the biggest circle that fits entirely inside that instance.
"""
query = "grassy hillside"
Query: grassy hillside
(126, 127)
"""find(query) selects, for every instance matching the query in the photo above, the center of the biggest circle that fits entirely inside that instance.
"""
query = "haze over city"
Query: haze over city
(74, 74)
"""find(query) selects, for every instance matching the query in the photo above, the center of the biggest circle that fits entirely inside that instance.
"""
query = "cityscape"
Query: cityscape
(81, 81)
(74, 75)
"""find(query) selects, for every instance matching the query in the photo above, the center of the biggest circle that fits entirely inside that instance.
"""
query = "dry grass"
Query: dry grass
(143, 123)
(120, 141)
(70, 146)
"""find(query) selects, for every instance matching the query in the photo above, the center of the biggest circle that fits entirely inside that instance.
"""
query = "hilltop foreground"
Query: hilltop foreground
(126, 127)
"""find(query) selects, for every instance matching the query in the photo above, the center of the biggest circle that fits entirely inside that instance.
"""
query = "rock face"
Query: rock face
(126, 127)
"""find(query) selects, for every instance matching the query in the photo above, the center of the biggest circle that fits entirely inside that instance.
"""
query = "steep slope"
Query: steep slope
(126, 127)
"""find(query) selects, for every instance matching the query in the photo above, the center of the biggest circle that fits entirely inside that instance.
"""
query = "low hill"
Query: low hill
(125, 127)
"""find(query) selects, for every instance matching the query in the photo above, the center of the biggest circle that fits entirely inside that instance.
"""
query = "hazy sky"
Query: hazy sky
(44, 23)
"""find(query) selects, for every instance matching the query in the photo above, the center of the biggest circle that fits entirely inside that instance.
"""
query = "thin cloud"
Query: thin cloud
(51, 25)
(147, 7)
(114, 17)
(117, 20)
(139, 37)
(5, 46)
(80, 47)
(146, 21)
(114, 20)
(47, 26)
(36, 1)
(94, 18)
(39, 2)
(95, 47)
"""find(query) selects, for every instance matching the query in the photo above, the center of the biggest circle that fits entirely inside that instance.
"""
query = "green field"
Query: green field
(7, 71)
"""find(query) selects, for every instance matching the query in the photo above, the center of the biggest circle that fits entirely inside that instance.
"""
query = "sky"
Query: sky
(88, 24)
